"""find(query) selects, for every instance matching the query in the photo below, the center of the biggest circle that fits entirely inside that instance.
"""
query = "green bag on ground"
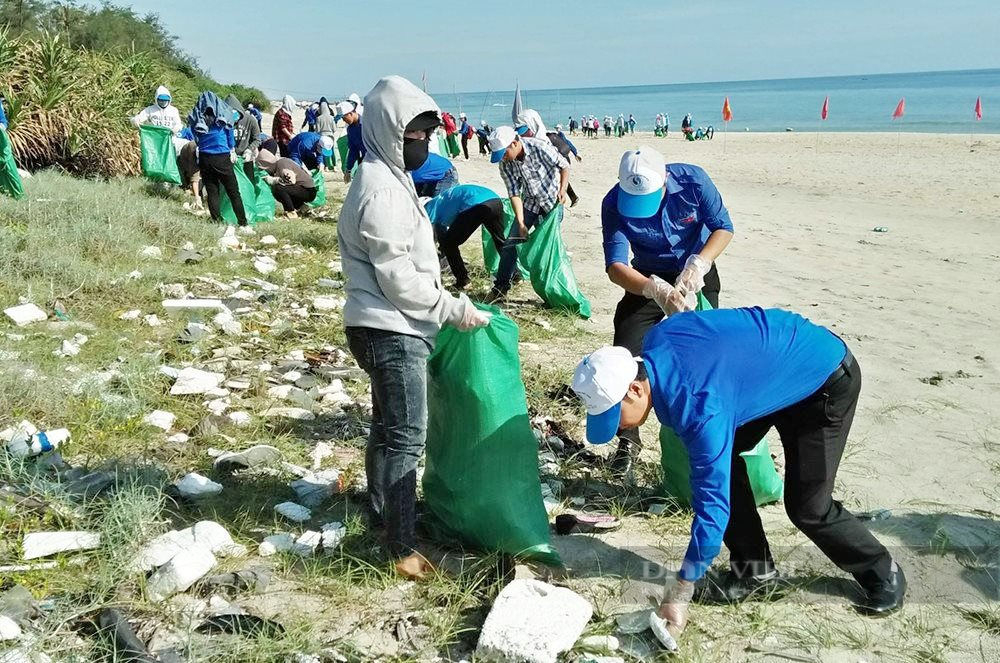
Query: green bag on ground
(10, 179)
(551, 269)
(159, 158)
(491, 259)
(453, 149)
(320, 182)
(258, 201)
(443, 145)
(765, 482)
(481, 484)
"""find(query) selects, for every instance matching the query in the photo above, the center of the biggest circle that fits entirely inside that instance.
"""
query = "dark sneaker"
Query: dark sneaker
(496, 295)
(622, 463)
(461, 284)
(729, 588)
(885, 597)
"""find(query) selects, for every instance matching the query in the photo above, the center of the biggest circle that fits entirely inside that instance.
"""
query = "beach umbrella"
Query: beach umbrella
(517, 108)
(979, 108)
(900, 109)
(826, 108)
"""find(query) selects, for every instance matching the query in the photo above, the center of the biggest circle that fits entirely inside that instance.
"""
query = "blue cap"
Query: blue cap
(162, 97)
(639, 206)
(497, 156)
(521, 130)
(601, 428)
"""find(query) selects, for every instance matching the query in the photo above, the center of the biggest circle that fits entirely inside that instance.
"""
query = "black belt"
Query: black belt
(846, 366)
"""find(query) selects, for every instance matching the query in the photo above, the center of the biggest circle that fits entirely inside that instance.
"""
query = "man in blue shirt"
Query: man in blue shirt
(456, 214)
(672, 218)
(435, 176)
(350, 113)
(721, 379)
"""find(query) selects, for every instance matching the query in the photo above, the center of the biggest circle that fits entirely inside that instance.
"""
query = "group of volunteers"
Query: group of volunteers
(220, 134)
(590, 126)
(720, 378)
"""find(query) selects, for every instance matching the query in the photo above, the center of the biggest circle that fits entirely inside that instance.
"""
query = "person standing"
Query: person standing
(309, 124)
(291, 185)
(536, 177)
(534, 127)
(631, 123)
(666, 124)
(211, 122)
(246, 131)
(396, 304)
(257, 115)
(673, 220)
(465, 130)
(161, 113)
(457, 213)
(572, 126)
(450, 129)
(483, 135)
(721, 380)
(608, 124)
(326, 126)
(350, 113)
(282, 127)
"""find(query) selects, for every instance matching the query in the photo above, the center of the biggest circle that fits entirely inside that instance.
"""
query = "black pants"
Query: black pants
(482, 145)
(293, 196)
(465, 145)
(573, 198)
(813, 434)
(636, 315)
(489, 215)
(217, 169)
(248, 170)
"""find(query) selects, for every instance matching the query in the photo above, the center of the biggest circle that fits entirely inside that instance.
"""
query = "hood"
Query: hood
(161, 91)
(534, 122)
(358, 106)
(235, 104)
(288, 104)
(267, 161)
(390, 105)
(324, 107)
(223, 113)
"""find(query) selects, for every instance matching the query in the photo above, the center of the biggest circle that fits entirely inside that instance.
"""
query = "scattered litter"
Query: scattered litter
(25, 314)
(533, 621)
(265, 265)
(599, 643)
(657, 509)
(229, 241)
(586, 523)
(880, 229)
(238, 385)
(321, 451)
(134, 275)
(134, 314)
(152, 320)
(188, 307)
(631, 623)
(543, 323)
(153, 252)
(218, 406)
(206, 533)
(333, 536)
(195, 485)
(43, 544)
(254, 579)
(289, 413)
(229, 325)
(334, 284)
(195, 381)
(22, 444)
(268, 240)
(126, 644)
(307, 544)
(240, 418)
(661, 630)
(275, 543)
(9, 630)
(316, 487)
(160, 419)
(194, 332)
(183, 570)
(179, 438)
(257, 456)
(294, 512)
(328, 303)
(250, 626)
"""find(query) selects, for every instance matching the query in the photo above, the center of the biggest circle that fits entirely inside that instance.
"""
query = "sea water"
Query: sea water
(935, 102)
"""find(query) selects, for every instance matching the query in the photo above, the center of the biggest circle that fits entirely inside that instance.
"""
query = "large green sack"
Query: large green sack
(159, 158)
(452, 142)
(551, 270)
(258, 201)
(343, 148)
(491, 259)
(765, 482)
(442, 145)
(320, 183)
(10, 179)
(481, 483)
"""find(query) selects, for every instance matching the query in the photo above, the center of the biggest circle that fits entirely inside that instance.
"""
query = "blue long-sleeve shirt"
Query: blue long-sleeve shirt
(572, 147)
(302, 149)
(355, 146)
(713, 371)
(433, 169)
(690, 211)
(444, 207)
(217, 140)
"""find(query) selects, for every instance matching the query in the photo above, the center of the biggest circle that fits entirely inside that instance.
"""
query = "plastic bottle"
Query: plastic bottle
(23, 446)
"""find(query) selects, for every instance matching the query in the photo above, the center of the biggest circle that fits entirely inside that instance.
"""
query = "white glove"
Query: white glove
(271, 179)
(692, 278)
(248, 155)
(670, 299)
(468, 317)
(232, 156)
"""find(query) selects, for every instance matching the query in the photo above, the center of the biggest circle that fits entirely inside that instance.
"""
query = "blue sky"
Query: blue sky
(315, 47)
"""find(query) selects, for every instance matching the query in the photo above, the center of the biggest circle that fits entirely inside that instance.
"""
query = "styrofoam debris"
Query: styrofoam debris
(195, 381)
(330, 283)
(275, 543)
(333, 536)
(294, 512)
(25, 314)
(240, 418)
(153, 252)
(599, 643)
(192, 307)
(268, 240)
(265, 264)
(307, 544)
(196, 485)
(9, 630)
(160, 419)
(178, 438)
(218, 406)
(184, 569)
(296, 413)
(328, 303)
(134, 314)
(152, 320)
(43, 544)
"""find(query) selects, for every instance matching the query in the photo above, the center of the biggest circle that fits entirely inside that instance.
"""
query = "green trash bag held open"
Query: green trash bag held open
(491, 259)
(765, 482)
(10, 179)
(481, 484)
(320, 183)
(159, 158)
(343, 148)
(258, 201)
(551, 269)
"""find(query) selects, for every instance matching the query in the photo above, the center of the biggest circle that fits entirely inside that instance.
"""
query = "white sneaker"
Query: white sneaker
(246, 230)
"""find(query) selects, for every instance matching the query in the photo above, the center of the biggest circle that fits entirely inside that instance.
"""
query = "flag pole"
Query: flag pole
(725, 132)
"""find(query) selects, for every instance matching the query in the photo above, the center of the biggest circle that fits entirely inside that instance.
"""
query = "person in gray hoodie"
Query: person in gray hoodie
(396, 304)
(246, 131)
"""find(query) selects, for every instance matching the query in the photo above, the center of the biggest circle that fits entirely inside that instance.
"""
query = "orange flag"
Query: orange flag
(727, 112)
(900, 109)
(979, 108)
(826, 108)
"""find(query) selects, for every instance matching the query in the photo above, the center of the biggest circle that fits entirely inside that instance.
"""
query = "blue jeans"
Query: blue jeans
(508, 255)
(397, 366)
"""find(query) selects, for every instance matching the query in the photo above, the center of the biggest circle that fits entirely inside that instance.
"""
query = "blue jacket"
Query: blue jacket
(710, 372)
(304, 148)
(444, 207)
(355, 146)
(217, 140)
(433, 170)
(690, 211)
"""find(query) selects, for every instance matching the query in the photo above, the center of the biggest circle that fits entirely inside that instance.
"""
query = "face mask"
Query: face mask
(414, 153)
(162, 103)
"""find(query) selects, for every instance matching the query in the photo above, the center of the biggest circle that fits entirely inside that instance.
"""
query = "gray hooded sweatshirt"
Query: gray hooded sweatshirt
(386, 240)
(246, 130)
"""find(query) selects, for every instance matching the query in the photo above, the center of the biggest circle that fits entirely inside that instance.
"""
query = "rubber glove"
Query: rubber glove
(667, 297)
(670, 620)
(468, 317)
(692, 278)
(232, 156)
(248, 156)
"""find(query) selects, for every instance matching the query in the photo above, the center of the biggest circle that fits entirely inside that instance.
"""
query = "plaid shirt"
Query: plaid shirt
(535, 178)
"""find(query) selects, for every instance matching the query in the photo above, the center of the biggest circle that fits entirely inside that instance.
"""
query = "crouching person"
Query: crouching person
(396, 304)
(722, 379)
(457, 214)
(291, 184)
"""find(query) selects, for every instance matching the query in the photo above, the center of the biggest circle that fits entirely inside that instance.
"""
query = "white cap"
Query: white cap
(345, 107)
(462, 115)
(601, 381)
(499, 140)
(327, 142)
(641, 176)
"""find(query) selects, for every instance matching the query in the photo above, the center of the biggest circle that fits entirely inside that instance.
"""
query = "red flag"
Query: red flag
(826, 108)
(979, 108)
(900, 109)
(727, 112)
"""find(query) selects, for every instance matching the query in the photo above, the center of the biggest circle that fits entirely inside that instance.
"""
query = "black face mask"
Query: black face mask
(414, 152)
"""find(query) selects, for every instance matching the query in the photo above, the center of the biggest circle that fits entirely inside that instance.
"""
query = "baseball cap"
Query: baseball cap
(601, 380)
(345, 107)
(499, 140)
(641, 176)
(327, 143)
(522, 129)
(462, 115)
